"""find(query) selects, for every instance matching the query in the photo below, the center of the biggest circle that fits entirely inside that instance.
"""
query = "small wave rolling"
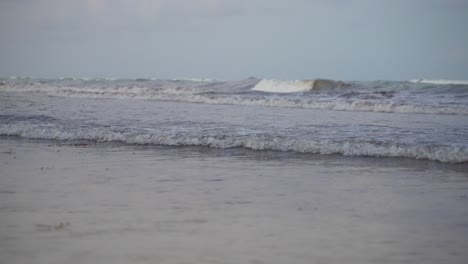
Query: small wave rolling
(451, 154)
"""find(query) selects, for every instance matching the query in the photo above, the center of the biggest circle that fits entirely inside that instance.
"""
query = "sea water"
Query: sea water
(417, 120)
(247, 171)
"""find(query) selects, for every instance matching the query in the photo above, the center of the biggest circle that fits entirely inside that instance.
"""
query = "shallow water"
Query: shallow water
(88, 202)
(417, 136)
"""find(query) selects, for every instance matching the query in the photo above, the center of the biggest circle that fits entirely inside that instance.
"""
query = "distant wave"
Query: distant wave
(194, 79)
(392, 98)
(455, 82)
(277, 86)
(188, 95)
(451, 154)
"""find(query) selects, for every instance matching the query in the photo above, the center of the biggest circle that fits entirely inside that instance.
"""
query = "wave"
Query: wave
(338, 105)
(392, 98)
(442, 82)
(350, 147)
(277, 86)
(127, 87)
(194, 79)
(199, 96)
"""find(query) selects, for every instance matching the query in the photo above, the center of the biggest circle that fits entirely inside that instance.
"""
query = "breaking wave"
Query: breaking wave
(276, 86)
(350, 147)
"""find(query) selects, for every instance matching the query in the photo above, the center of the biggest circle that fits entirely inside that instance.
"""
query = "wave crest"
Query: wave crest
(454, 82)
(277, 86)
(442, 153)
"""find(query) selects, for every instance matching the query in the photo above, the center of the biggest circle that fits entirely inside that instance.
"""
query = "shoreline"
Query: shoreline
(85, 143)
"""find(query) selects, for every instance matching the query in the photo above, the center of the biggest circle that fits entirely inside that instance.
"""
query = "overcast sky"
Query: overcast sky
(233, 39)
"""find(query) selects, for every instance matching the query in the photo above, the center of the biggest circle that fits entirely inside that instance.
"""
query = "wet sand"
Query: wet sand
(81, 202)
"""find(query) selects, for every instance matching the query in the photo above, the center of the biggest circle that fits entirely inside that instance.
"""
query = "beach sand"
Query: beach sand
(84, 202)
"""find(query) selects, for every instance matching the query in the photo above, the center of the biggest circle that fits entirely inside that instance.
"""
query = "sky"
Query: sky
(234, 39)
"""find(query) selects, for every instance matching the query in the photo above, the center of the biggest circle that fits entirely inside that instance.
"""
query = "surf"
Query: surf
(441, 82)
(379, 96)
(278, 86)
(449, 154)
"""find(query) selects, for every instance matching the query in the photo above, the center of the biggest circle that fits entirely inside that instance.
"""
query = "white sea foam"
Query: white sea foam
(277, 86)
(447, 153)
(455, 82)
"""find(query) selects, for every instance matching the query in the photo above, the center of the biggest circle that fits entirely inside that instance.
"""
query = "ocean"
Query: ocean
(417, 119)
(240, 171)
